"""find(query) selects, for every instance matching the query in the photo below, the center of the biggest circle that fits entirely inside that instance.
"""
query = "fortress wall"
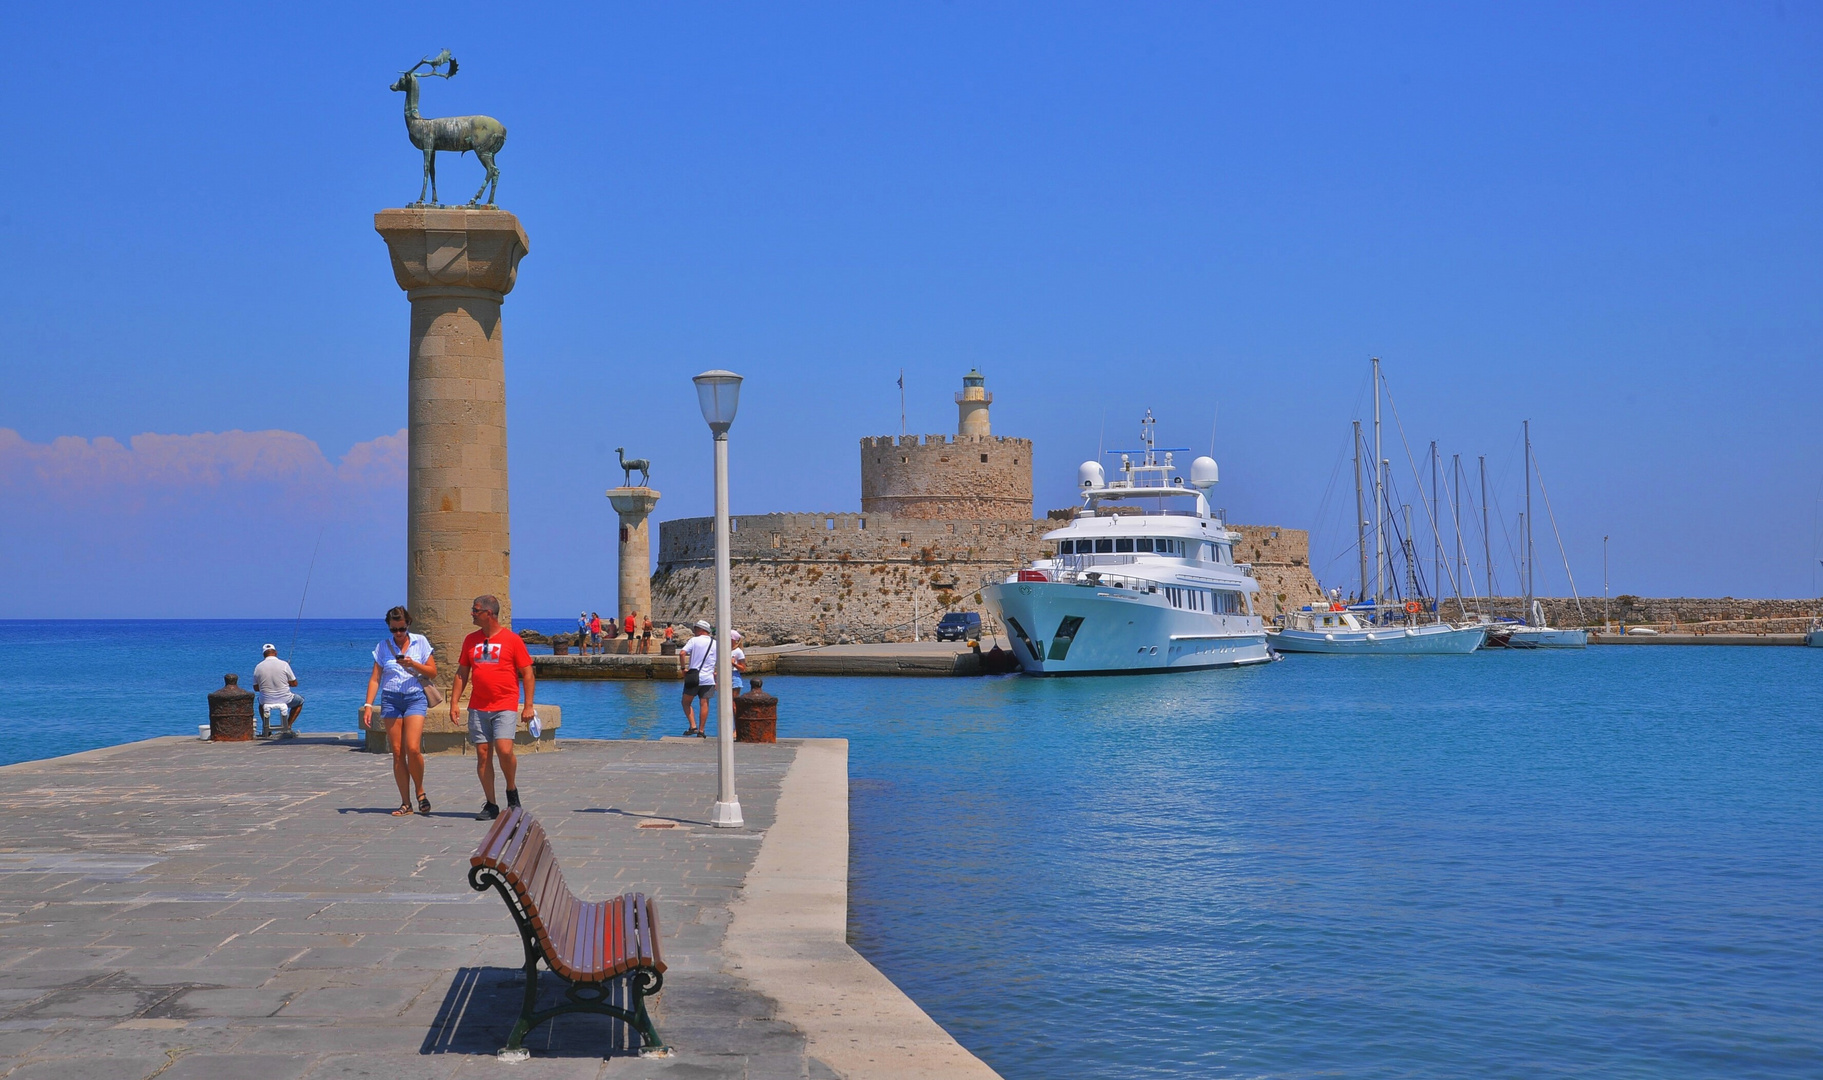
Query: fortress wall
(859, 577)
(1663, 612)
(948, 477)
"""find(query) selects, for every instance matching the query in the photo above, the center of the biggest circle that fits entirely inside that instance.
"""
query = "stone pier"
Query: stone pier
(456, 267)
(634, 505)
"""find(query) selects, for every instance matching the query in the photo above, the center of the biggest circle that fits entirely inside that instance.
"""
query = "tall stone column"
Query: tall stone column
(456, 266)
(634, 505)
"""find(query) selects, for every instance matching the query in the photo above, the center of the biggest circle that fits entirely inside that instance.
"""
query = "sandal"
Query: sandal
(404, 810)
(423, 804)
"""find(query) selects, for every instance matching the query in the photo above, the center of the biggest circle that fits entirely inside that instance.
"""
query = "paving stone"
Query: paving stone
(237, 1067)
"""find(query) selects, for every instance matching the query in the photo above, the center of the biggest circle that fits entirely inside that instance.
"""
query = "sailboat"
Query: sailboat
(1535, 633)
(1378, 627)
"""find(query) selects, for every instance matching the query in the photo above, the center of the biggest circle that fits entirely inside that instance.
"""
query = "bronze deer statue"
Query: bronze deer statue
(630, 465)
(482, 134)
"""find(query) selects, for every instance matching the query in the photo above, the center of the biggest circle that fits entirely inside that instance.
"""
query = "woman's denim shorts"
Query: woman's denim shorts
(397, 703)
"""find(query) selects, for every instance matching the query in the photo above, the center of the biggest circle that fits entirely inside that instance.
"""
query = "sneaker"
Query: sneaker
(487, 813)
(512, 797)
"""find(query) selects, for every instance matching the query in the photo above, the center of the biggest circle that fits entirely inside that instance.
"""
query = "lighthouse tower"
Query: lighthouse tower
(972, 403)
(970, 476)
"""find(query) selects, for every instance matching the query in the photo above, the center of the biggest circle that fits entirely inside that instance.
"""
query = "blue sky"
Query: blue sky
(1604, 218)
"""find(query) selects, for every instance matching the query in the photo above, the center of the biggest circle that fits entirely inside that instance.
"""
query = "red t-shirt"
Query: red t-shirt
(632, 625)
(494, 665)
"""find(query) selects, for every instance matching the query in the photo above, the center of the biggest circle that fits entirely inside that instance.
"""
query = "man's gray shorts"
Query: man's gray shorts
(486, 727)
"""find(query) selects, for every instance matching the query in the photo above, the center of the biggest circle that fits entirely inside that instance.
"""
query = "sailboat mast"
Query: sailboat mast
(1456, 513)
(1360, 517)
(1487, 542)
(1436, 539)
(1528, 523)
(1379, 501)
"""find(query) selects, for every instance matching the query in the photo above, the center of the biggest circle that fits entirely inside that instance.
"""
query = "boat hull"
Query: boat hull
(1544, 637)
(1383, 641)
(1814, 639)
(1119, 632)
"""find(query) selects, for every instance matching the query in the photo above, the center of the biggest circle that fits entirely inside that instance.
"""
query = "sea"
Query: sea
(1603, 863)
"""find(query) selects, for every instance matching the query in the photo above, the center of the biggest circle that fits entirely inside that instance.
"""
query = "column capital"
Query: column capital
(633, 501)
(452, 248)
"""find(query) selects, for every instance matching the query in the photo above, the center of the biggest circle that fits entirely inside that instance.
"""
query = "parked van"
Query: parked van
(960, 626)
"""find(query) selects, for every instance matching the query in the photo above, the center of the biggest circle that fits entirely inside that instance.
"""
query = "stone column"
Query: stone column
(456, 266)
(634, 505)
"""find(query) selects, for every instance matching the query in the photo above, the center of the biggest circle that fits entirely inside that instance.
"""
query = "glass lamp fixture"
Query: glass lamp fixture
(719, 394)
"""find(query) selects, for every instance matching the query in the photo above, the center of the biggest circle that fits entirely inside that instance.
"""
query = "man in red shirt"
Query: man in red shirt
(494, 660)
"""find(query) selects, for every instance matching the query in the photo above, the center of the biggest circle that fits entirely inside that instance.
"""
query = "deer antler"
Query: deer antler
(435, 62)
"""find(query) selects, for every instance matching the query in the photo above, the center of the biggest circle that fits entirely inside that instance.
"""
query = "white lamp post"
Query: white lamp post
(719, 394)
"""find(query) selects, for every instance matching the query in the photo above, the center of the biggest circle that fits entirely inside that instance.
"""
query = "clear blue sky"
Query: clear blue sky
(1604, 218)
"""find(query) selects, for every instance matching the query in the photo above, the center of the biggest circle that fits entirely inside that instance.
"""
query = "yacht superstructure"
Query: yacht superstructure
(1134, 590)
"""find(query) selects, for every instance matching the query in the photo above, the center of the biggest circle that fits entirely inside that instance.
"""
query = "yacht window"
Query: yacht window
(1167, 547)
(1123, 544)
(1144, 543)
(1208, 552)
(1105, 547)
(1066, 547)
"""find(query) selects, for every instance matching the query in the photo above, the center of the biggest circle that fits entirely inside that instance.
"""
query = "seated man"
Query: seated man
(273, 682)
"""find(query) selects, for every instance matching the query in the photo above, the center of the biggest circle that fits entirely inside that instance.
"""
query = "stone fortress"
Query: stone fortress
(940, 515)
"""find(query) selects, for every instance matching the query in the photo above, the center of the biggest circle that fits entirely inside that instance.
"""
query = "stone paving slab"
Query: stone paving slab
(186, 909)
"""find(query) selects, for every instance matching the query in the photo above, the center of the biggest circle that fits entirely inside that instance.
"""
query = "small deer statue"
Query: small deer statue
(482, 134)
(627, 465)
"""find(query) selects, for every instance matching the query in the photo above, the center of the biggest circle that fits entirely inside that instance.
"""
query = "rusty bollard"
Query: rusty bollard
(231, 712)
(756, 716)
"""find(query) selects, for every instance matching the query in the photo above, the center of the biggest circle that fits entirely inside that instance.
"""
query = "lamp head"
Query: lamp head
(719, 394)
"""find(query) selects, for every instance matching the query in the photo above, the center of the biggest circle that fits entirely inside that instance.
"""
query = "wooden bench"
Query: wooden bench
(591, 945)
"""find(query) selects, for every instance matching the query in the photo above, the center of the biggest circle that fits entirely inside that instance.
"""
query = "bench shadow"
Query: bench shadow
(482, 1005)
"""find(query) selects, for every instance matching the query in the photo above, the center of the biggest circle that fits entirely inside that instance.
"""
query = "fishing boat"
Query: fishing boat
(1814, 636)
(1133, 590)
(1336, 628)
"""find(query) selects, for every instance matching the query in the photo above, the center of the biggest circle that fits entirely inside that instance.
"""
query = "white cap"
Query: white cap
(269, 648)
(703, 625)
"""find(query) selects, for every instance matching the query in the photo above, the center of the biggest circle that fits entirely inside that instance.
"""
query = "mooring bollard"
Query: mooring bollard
(231, 712)
(756, 716)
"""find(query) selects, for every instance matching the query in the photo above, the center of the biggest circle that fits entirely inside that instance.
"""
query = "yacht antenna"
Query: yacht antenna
(1360, 516)
(1379, 500)
(1528, 523)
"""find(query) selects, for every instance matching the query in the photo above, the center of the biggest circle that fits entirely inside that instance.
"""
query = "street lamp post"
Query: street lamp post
(719, 394)
(1604, 583)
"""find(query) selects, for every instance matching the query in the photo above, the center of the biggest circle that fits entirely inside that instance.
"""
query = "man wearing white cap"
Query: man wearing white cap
(697, 661)
(273, 680)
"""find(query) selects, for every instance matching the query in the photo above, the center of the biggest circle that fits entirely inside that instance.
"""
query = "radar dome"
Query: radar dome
(1090, 475)
(1203, 473)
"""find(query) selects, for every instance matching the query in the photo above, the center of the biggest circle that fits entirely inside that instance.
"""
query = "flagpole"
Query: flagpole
(901, 403)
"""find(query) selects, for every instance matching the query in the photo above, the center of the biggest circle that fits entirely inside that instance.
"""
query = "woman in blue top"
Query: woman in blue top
(401, 663)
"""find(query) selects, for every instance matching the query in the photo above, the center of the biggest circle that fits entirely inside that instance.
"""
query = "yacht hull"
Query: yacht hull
(1544, 637)
(1118, 632)
(1383, 641)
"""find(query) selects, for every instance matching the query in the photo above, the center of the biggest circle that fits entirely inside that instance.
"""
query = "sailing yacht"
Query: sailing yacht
(1133, 590)
(1377, 626)
(1534, 633)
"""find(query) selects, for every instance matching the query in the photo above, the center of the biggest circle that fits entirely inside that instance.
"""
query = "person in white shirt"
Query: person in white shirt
(697, 661)
(401, 664)
(273, 681)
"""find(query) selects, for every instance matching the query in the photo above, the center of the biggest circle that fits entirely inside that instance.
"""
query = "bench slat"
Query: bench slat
(516, 840)
(559, 944)
(629, 931)
(601, 941)
(549, 885)
(611, 924)
(525, 870)
(658, 960)
(588, 940)
(641, 952)
(489, 843)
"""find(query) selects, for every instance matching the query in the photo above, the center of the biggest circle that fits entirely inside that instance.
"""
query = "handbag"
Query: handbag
(694, 677)
(433, 697)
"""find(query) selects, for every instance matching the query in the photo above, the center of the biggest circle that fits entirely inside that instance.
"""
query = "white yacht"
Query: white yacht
(1336, 628)
(1133, 590)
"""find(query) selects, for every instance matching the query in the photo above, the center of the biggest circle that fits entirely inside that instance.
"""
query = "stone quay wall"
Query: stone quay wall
(948, 477)
(842, 578)
(1659, 612)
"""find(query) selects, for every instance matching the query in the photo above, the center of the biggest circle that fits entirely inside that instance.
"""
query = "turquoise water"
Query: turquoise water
(1607, 863)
